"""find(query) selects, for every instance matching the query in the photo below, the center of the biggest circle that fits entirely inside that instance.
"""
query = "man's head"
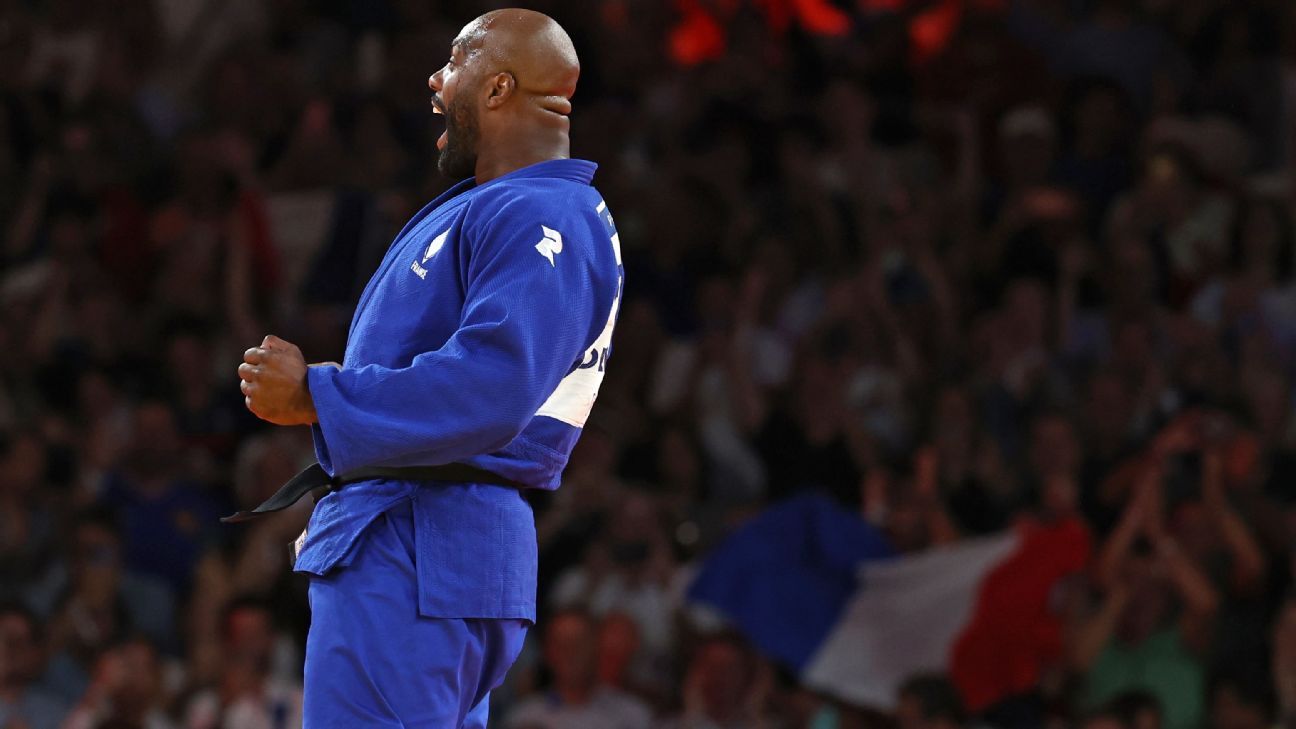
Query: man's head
(618, 642)
(21, 653)
(929, 702)
(722, 671)
(570, 649)
(23, 458)
(95, 562)
(1054, 447)
(505, 90)
(130, 674)
(1137, 709)
(248, 627)
(1056, 457)
(1240, 699)
(155, 444)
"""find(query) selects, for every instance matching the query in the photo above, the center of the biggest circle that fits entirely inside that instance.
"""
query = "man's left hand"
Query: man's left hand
(274, 383)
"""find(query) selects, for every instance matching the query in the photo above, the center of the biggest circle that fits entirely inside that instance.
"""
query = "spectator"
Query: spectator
(629, 570)
(1137, 710)
(28, 533)
(618, 646)
(255, 566)
(1284, 662)
(724, 687)
(1240, 701)
(126, 690)
(100, 604)
(1097, 164)
(929, 702)
(167, 522)
(247, 695)
(23, 701)
(578, 698)
(1147, 579)
(1102, 720)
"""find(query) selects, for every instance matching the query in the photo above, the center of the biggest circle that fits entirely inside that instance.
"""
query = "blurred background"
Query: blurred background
(922, 273)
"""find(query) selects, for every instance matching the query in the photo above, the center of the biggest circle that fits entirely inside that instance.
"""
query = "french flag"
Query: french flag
(820, 590)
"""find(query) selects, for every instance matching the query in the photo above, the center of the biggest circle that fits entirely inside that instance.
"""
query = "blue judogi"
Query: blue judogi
(481, 339)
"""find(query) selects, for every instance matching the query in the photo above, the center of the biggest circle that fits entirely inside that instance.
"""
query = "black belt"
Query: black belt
(314, 477)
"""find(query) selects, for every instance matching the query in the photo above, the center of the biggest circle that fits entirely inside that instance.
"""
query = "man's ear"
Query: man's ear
(502, 86)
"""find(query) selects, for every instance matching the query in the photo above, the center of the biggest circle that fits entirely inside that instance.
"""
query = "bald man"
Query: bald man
(474, 358)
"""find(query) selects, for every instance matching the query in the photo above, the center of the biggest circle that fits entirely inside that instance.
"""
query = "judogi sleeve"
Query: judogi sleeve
(523, 326)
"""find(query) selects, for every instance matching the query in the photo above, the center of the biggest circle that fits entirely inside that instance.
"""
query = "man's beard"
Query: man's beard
(459, 158)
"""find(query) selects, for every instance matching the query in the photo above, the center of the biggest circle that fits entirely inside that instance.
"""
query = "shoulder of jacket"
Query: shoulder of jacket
(529, 192)
(551, 204)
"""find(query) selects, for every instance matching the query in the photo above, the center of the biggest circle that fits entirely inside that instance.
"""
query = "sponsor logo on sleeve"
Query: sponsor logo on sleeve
(550, 244)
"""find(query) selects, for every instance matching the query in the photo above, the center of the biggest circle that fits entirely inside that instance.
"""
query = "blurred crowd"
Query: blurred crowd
(1040, 270)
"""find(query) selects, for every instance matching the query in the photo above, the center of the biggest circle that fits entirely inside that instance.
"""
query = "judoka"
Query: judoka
(474, 357)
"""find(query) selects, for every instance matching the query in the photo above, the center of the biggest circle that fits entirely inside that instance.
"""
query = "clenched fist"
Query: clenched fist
(274, 383)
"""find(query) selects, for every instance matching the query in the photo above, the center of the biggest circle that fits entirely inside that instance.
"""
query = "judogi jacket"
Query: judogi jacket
(481, 339)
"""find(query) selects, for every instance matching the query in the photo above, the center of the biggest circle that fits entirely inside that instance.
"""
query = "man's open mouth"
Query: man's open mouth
(439, 108)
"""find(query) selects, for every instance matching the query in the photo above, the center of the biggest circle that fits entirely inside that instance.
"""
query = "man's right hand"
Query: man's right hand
(274, 383)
